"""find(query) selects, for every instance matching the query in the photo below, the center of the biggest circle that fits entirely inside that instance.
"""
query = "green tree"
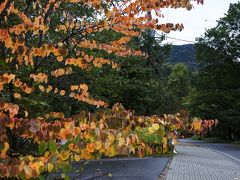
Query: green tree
(139, 83)
(178, 87)
(217, 93)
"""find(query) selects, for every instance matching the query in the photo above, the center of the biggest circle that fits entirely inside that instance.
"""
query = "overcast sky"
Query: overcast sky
(195, 22)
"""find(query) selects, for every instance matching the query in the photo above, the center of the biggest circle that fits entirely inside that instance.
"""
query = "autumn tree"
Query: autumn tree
(42, 44)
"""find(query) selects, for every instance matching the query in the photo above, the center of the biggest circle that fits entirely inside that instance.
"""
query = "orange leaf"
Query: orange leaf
(90, 147)
(74, 87)
(17, 96)
(84, 87)
(49, 88)
(62, 92)
(59, 58)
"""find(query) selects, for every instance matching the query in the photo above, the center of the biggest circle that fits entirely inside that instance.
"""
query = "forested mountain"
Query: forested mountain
(183, 54)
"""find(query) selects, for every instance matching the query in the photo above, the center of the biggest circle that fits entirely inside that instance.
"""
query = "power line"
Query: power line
(178, 39)
(184, 40)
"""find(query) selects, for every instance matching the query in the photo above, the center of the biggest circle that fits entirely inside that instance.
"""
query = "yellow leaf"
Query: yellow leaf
(68, 70)
(164, 145)
(34, 5)
(132, 149)
(6, 147)
(77, 157)
(86, 155)
(155, 126)
(111, 138)
(31, 158)
(93, 125)
(111, 151)
(121, 141)
(26, 113)
(50, 167)
(159, 149)
(42, 88)
(56, 90)
(98, 145)
(60, 44)
(46, 154)
(67, 24)
(151, 130)
(64, 155)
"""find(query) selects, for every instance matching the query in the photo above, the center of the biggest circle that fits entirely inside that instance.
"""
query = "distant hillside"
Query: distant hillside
(183, 54)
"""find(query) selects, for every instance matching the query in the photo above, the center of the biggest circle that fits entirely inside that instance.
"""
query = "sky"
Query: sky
(196, 21)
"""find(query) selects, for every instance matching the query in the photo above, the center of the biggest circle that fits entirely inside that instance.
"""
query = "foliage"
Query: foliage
(217, 92)
(148, 86)
(178, 87)
(84, 136)
(44, 46)
(183, 54)
(196, 137)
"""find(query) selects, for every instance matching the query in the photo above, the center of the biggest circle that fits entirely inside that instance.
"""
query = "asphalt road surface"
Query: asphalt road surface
(229, 150)
(148, 168)
(128, 169)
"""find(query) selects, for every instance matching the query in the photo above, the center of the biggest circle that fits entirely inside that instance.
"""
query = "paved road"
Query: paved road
(226, 149)
(199, 163)
(121, 169)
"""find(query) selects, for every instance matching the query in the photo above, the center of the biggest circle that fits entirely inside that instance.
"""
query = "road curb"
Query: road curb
(164, 173)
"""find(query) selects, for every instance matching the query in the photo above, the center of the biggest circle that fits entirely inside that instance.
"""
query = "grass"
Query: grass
(197, 137)
(236, 142)
(215, 140)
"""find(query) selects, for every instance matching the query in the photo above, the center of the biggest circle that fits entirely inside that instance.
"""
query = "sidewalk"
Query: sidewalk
(197, 163)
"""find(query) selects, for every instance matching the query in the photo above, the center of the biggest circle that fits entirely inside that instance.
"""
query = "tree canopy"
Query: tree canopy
(217, 92)
(52, 49)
